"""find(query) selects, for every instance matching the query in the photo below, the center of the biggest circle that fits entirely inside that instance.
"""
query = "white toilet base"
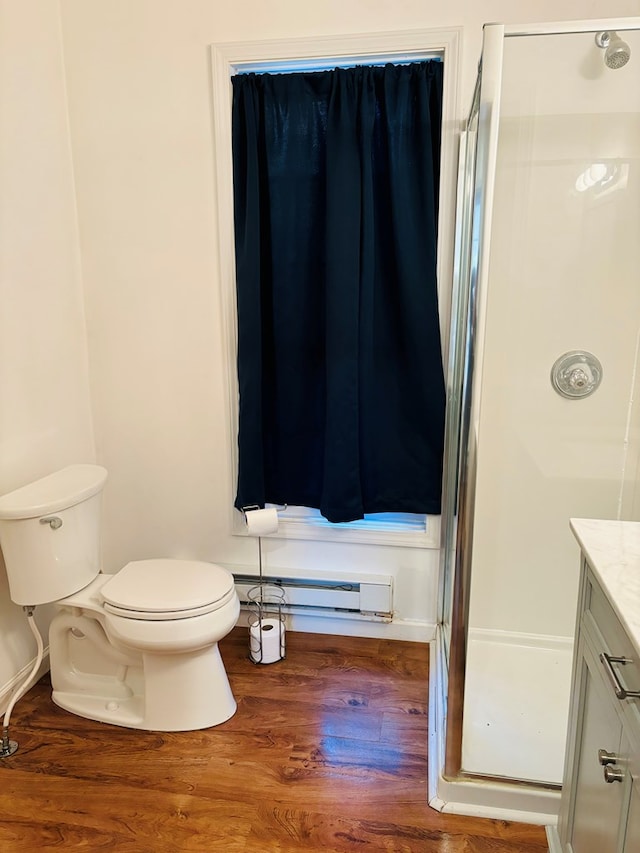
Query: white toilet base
(96, 673)
(198, 682)
(182, 693)
(95, 708)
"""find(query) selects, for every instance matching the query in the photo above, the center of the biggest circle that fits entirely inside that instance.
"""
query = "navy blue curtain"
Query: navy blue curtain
(342, 396)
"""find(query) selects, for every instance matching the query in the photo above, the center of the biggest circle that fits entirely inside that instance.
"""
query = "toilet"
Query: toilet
(138, 648)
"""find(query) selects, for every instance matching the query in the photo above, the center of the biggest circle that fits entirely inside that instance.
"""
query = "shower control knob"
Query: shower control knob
(578, 379)
(576, 374)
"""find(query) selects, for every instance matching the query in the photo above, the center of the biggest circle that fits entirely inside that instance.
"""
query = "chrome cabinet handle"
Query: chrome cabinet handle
(613, 774)
(605, 757)
(618, 688)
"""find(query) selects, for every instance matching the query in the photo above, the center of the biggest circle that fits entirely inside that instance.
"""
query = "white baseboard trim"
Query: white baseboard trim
(7, 689)
(342, 624)
(477, 798)
(518, 638)
(553, 840)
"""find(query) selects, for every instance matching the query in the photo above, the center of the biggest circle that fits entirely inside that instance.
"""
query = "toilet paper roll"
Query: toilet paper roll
(260, 522)
(268, 633)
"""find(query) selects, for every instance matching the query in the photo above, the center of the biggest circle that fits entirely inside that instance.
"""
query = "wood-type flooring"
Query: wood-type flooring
(327, 752)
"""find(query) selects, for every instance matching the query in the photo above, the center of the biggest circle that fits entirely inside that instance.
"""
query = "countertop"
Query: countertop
(612, 549)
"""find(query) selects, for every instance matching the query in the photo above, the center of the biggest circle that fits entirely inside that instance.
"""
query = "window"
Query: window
(389, 528)
(400, 47)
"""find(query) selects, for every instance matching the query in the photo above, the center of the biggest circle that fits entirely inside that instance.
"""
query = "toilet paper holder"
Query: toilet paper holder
(265, 602)
(280, 508)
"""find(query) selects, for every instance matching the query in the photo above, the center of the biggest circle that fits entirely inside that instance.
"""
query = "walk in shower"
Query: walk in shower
(544, 418)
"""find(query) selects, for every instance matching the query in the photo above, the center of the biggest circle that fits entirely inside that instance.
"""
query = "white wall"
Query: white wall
(45, 420)
(141, 113)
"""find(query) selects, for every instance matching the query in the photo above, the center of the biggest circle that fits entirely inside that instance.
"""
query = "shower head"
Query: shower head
(616, 51)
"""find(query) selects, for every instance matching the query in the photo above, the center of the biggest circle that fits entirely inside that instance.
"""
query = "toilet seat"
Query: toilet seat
(159, 590)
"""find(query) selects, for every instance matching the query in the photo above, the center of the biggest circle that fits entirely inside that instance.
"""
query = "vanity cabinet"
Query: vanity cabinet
(600, 805)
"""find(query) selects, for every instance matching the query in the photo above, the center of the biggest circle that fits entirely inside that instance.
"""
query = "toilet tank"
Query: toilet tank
(50, 534)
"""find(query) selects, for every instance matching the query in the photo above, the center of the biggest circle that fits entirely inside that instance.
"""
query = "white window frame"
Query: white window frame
(230, 58)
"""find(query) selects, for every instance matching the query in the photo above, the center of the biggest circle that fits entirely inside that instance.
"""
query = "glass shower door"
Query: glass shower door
(547, 261)
(562, 278)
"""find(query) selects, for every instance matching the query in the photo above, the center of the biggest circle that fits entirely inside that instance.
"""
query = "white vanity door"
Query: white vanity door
(632, 837)
(598, 803)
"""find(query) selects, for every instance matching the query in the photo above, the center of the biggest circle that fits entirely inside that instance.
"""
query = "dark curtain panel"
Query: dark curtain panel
(336, 195)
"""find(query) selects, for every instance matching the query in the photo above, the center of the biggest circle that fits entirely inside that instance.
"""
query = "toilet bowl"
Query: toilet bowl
(136, 649)
(166, 672)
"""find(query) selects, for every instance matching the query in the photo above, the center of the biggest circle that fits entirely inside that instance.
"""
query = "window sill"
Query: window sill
(310, 529)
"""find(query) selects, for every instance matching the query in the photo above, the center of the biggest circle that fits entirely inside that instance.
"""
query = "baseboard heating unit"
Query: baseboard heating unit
(365, 596)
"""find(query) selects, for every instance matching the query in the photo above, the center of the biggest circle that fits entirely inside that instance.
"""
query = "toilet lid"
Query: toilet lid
(167, 589)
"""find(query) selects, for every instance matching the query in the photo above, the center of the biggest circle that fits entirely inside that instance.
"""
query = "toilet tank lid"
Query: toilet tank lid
(57, 491)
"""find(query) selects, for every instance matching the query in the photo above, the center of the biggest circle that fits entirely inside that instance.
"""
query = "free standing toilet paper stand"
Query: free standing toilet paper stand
(265, 603)
(266, 623)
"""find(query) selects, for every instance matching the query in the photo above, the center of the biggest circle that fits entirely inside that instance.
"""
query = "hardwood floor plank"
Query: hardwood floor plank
(296, 787)
(290, 831)
(412, 812)
(354, 722)
(340, 689)
(310, 830)
(345, 755)
(406, 698)
(151, 819)
(75, 757)
(408, 729)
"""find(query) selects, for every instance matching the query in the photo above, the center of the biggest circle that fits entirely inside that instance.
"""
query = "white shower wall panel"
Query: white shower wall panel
(507, 720)
(563, 276)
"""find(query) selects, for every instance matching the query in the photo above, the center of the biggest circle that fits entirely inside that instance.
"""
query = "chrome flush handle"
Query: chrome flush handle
(52, 520)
